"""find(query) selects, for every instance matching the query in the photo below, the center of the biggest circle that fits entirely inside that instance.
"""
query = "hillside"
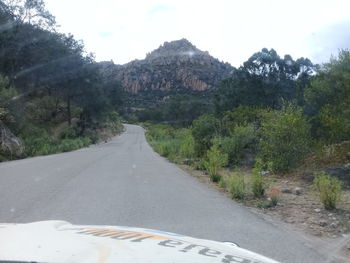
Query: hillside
(174, 66)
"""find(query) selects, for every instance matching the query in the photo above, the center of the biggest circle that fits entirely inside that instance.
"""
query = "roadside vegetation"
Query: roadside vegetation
(275, 120)
(175, 144)
(329, 190)
(53, 97)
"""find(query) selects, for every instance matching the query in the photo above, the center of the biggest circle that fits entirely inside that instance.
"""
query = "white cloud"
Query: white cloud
(230, 30)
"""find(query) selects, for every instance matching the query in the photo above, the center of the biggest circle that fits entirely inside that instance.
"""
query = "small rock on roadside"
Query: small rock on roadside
(322, 223)
(317, 210)
(297, 190)
(334, 224)
(286, 191)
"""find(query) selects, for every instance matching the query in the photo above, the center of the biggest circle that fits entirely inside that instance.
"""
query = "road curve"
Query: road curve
(124, 182)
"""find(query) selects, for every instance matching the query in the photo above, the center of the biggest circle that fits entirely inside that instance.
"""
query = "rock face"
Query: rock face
(174, 66)
(9, 143)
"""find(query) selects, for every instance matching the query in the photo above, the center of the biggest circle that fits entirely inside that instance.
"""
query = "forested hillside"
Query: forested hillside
(52, 95)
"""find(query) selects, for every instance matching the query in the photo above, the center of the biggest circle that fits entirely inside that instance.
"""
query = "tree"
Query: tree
(7, 94)
(215, 161)
(178, 109)
(285, 139)
(265, 79)
(183, 109)
(47, 66)
(328, 100)
(204, 129)
(31, 12)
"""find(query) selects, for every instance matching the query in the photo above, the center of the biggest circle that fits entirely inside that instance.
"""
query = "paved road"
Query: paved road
(124, 182)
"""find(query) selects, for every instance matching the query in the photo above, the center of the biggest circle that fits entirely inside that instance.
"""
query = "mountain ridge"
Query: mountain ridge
(173, 67)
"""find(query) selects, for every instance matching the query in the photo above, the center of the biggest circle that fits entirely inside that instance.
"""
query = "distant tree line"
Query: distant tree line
(266, 79)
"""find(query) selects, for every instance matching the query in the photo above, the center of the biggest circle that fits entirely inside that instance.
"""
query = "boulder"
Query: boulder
(9, 143)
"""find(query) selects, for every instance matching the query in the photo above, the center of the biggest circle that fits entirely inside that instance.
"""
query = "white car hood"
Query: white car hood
(59, 241)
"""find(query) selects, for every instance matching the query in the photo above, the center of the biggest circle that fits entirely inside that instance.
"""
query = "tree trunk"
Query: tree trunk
(69, 114)
(82, 124)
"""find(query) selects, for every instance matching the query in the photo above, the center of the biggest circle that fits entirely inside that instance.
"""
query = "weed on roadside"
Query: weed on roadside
(237, 186)
(329, 190)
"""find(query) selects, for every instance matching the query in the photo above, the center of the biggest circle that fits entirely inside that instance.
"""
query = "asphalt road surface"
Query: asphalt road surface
(124, 182)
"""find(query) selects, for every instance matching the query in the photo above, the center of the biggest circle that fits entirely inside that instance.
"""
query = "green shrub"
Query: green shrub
(67, 145)
(37, 141)
(243, 115)
(94, 139)
(240, 139)
(329, 190)
(40, 110)
(222, 183)
(237, 186)
(285, 139)
(264, 204)
(39, 146)
(335, 122)
(327, 100)
(202, 165)
(258, 185)
(215, 161)
(204, 129)
(29, 130)
(168, 148)
(86, 141)
(113, 122)
(175, 144)
(187, 144)
(70, 132)
(215, 177)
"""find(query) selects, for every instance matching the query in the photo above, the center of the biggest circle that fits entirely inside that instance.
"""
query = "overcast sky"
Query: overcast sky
(231, 30)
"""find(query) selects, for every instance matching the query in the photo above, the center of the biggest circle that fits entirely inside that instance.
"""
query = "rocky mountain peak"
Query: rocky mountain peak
(175, 67)
(180, 48)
